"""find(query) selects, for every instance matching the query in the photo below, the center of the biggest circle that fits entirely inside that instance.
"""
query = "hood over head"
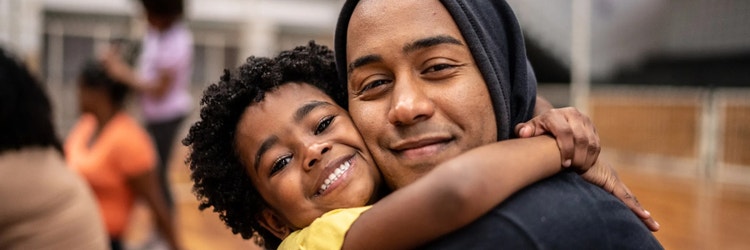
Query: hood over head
(494, 37)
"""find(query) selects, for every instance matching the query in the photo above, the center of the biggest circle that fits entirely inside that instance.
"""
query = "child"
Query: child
(274, 154)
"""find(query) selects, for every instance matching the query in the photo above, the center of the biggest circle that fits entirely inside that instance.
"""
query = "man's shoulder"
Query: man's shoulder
(562, 211)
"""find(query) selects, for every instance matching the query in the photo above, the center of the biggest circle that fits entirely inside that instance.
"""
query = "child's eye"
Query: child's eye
(280, 163)
(323, 124)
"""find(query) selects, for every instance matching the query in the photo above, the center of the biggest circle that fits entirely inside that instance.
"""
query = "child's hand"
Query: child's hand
(575, 134)
(604, 176)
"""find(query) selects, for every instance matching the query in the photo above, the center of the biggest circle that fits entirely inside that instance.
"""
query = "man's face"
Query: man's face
(415, 93)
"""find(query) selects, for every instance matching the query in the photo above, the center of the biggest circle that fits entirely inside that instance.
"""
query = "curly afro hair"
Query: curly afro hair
(219, 177)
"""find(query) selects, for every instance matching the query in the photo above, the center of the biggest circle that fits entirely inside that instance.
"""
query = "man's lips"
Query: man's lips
(415, 148)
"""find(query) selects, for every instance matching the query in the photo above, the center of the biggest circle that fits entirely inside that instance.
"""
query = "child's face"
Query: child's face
(304, 155)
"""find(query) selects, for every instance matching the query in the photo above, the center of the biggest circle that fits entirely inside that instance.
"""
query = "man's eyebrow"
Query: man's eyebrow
(362, 61)
(306, 109)
(430, 41)
(267, 143)
(416, 45)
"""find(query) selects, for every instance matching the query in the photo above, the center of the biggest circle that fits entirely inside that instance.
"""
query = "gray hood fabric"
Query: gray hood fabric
(494, 37)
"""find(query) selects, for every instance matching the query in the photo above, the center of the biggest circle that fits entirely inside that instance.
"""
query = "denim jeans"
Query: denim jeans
(561, 212)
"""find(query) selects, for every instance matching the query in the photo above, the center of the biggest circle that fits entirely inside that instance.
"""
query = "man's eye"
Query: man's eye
(373, 84)
(323, 125)
(438, 67)
(280, 163)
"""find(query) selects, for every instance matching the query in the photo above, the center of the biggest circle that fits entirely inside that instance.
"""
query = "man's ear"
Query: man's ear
(273, 223)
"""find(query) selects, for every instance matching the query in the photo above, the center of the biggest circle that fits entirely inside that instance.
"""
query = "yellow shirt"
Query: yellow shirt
(326, 232)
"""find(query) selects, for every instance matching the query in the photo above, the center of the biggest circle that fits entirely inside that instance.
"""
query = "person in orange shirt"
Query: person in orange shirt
(115, 155)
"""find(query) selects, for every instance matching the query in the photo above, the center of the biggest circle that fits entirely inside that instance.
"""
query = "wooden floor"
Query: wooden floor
(693, 214)
(197, 229)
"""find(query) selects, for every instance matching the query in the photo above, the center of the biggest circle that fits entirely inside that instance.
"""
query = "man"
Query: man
(429, 80)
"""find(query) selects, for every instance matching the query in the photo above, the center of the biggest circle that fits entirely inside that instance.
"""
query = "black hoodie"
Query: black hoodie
(561, 212)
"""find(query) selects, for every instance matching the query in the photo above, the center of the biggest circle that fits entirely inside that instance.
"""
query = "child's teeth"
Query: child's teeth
(333, 176)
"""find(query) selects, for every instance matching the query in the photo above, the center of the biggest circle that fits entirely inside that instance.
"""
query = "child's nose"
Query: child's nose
(315, 153)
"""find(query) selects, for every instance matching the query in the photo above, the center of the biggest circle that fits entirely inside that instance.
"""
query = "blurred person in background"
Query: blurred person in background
(162, 78)
(115, 155)
(45, 204)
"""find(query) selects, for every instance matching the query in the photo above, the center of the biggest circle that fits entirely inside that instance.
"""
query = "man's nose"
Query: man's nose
(314, 153)
(410, 103)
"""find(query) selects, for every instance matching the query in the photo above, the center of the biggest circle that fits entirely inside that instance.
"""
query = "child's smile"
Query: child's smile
(304, 155)
(334, 174)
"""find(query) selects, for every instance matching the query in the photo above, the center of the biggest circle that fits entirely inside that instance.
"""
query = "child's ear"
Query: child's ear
(271, 222)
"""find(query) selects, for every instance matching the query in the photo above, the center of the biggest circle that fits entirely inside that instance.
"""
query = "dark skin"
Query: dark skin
(97, 102)
(579, 145)
(382, 57)
(450, 196)
(124, 73)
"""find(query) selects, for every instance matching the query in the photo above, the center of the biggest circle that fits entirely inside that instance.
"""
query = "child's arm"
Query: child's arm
(454, 194)
(579, 145)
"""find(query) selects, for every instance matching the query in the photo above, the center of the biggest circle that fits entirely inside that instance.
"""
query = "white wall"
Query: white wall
(626, 32)
(21, 21)
(20, 25)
